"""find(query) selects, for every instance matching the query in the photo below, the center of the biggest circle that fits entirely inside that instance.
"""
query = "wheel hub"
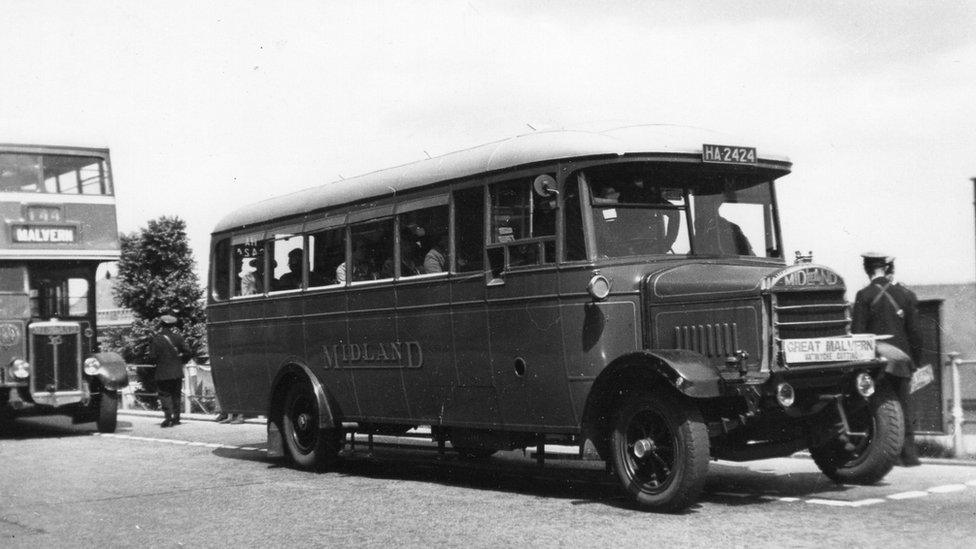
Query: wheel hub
(302, 422)
(643, 446)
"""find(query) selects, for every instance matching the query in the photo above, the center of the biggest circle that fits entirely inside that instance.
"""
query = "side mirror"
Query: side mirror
(545, 185)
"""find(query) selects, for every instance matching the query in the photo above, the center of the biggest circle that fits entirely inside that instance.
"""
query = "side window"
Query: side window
(288, 255)
(522, 223)
(54, 296)
(423, 247)
(469, 229)
(249, 268)
(372, 247)
(77, 297)
(220, 265)
(327, 251)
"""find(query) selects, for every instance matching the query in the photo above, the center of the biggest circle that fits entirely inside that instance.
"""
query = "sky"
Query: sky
(208, 106)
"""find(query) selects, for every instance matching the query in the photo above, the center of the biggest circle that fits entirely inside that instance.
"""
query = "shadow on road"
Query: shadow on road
(49, 427)
(581, 482)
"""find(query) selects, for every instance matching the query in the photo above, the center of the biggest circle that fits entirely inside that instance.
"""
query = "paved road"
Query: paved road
(203, 484)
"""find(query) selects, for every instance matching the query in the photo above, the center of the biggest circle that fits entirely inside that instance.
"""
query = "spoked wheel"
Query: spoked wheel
(660, 451)
(309, 446)
(869, 453)
(108, 411)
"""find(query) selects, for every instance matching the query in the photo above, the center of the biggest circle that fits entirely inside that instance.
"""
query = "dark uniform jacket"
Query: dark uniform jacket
(887, 308)
(169, 352)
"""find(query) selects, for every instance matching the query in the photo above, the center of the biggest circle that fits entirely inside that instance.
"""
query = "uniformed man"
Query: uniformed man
(169, 353)
(885, 307)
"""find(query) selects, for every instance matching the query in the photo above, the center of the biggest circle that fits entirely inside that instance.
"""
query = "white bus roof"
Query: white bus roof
(531, 148)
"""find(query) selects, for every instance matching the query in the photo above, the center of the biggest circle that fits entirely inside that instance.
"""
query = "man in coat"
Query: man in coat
(169, 353)
(884, 307)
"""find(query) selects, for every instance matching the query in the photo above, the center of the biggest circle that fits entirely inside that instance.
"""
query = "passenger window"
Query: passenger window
(327, 250)
(249, 266)
(372, 247)
(221, 269)
(469, 230)
(423, 245)
(523, 222)
(289, 262)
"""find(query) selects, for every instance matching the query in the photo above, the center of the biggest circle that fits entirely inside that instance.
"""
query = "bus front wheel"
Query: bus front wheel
(660, 450)
(871, 450)
(309, 445)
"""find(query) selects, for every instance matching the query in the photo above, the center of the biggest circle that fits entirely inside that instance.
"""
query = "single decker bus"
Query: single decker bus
(622, 289)
(58, 225)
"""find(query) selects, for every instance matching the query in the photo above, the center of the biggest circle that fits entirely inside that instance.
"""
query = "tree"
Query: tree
(156, 274)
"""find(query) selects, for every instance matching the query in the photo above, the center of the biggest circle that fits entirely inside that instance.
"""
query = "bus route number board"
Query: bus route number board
(727, 154)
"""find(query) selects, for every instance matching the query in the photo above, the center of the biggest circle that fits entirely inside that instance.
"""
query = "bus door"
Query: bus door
(325, 310)
(524, 320)
(423, 297)
(472, 400)
(372, 352)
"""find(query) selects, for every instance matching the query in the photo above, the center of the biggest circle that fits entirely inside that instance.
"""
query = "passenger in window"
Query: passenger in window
(716, 235)
(662, 227)
(606, 194)
(359, 269)
(249, 277)
(436, 259)
(293, 278)
(409, 261)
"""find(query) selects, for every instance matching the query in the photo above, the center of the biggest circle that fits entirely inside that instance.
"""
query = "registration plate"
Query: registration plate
(727, 154)
(828, 349)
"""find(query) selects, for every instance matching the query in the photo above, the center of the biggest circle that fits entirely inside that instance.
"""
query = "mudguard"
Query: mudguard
(112, 374)
(897, 363)
(276, 447)
(689, 372)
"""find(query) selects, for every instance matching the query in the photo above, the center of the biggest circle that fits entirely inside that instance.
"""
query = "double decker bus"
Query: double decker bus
(624, 290)
(59, 224)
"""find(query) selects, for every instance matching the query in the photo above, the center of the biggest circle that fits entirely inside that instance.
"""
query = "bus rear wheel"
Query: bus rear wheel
(660, 450)
(309, 446)
(108, 411)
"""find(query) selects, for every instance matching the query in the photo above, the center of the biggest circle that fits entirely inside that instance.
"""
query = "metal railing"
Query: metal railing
(957, 414)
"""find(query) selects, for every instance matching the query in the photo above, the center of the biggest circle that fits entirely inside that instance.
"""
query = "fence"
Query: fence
(198, 389)
(957, 413)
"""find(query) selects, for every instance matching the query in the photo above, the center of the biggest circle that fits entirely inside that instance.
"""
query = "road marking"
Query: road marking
(788, 499)
(869, 501)
(831, 502)
(947, 488)
(972, 482)
(908, 495)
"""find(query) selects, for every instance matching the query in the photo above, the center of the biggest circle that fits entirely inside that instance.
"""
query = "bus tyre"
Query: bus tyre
(308, 445)
(108, 411)
(660, 450)
(867, 458)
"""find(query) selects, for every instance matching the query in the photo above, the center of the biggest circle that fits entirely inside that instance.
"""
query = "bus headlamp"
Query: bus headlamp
(864, 384)
(20, 368)
(92, 365)
(598, 287)
(785, 395)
